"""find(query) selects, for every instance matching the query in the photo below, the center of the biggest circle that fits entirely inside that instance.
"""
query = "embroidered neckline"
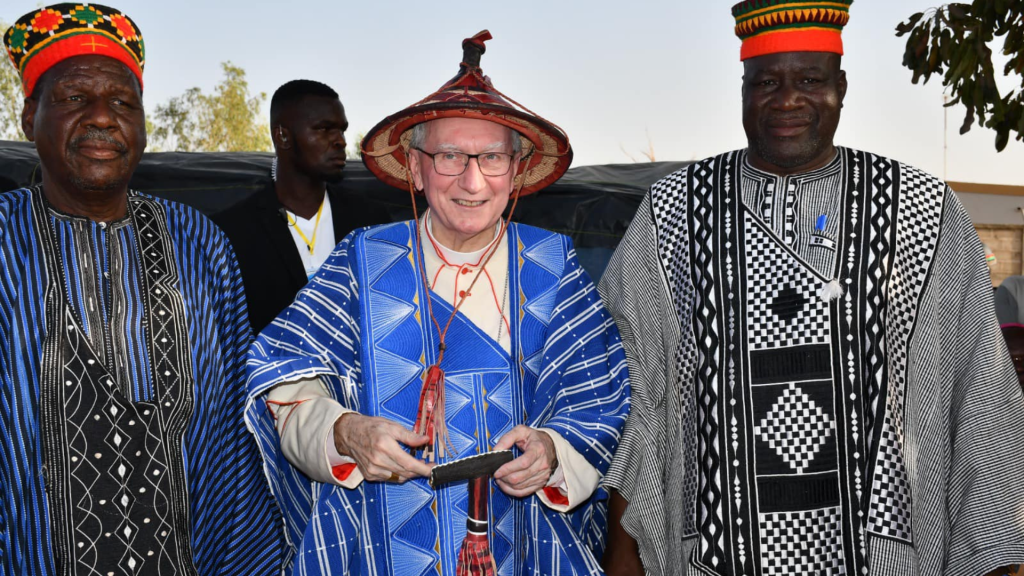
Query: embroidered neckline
(458, 269)
(55, 212)
(445, 253)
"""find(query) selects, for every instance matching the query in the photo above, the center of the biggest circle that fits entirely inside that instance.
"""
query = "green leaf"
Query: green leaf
(1002, 138)
(957, 38)
(968, 122)
(904, 27)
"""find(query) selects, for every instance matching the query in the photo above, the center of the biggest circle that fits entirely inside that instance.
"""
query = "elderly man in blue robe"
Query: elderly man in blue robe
(123, 337)
(452, 335)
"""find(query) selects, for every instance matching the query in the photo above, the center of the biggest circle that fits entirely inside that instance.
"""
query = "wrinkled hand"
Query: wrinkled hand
(376, 446)
(532, 470)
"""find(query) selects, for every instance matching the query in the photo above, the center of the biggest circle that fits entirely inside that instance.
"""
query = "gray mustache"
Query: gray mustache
(99, 136)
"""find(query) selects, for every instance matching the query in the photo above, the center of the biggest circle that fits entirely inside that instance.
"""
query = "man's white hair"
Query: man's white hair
(419, 136)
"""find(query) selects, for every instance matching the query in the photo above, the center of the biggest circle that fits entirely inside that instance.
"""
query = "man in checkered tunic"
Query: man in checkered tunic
(819, 381)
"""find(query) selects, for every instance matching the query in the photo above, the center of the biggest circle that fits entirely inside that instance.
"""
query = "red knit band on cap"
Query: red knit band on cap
(795, 40)
(79, 44)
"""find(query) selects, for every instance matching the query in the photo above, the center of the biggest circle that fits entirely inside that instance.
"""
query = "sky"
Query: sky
(620, 78)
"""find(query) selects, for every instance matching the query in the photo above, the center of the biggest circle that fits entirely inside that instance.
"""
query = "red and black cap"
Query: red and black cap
(44, 37)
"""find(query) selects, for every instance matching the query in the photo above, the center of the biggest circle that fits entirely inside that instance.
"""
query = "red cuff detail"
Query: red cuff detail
(343, 471)
(294, 405)
(555, 496)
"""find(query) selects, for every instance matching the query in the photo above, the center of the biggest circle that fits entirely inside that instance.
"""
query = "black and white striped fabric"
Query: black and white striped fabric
(776, 432)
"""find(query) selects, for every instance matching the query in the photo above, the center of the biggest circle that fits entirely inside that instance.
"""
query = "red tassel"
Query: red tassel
(475, 557)
(430, 420)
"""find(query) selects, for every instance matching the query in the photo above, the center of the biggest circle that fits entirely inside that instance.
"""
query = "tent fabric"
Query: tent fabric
(591, 204)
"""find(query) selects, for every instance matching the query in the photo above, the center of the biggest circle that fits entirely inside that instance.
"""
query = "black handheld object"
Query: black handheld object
(469, 467)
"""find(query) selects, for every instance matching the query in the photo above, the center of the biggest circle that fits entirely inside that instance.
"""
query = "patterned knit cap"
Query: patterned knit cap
(46, 36)
(773, 26)
(546, 153)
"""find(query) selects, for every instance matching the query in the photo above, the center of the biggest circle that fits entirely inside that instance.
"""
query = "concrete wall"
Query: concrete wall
(993, 208)
(1006, 242)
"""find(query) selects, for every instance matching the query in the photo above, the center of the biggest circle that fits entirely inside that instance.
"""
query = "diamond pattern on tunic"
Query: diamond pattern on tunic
(783, 308)
(548, 254)
(788, 303)
(119, 489)
(796, 428)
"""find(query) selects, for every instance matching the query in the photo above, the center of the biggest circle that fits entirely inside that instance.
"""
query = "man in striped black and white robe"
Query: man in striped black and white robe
(819, 382)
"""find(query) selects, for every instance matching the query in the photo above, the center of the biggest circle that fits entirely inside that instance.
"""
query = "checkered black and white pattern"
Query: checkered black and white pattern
(806, 542)
(917, 282)
(890, 492)
(669, 210)
(796, 428)
(669, 198)
(917, 233)
(770, 271)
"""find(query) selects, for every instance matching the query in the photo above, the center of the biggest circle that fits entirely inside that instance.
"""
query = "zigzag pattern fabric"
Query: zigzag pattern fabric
(816, 14)
(362, 327)
(772, 26)
(125, 381)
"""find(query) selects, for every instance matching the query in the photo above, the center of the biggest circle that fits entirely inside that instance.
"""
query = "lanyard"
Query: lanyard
(310, 242)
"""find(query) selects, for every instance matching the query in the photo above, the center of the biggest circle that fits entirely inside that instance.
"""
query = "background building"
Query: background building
(998, 215)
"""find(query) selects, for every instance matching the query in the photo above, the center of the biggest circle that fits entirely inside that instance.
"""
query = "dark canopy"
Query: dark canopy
(591, 204)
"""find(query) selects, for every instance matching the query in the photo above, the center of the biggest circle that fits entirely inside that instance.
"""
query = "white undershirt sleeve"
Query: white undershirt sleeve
(575, 477)
(305, 415)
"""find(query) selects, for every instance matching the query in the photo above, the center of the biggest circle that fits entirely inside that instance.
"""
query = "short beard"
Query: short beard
(85, 184)
(806, 154)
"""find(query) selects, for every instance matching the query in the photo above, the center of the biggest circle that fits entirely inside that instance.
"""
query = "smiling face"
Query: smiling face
(791, 109)
(87, 120)
(316, 126)
(464, 209)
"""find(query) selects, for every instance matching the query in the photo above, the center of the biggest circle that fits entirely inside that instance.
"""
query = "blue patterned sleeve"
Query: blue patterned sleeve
(583, 389)
(315, 337)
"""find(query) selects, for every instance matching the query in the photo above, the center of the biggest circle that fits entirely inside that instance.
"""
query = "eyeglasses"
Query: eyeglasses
(455, 163)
